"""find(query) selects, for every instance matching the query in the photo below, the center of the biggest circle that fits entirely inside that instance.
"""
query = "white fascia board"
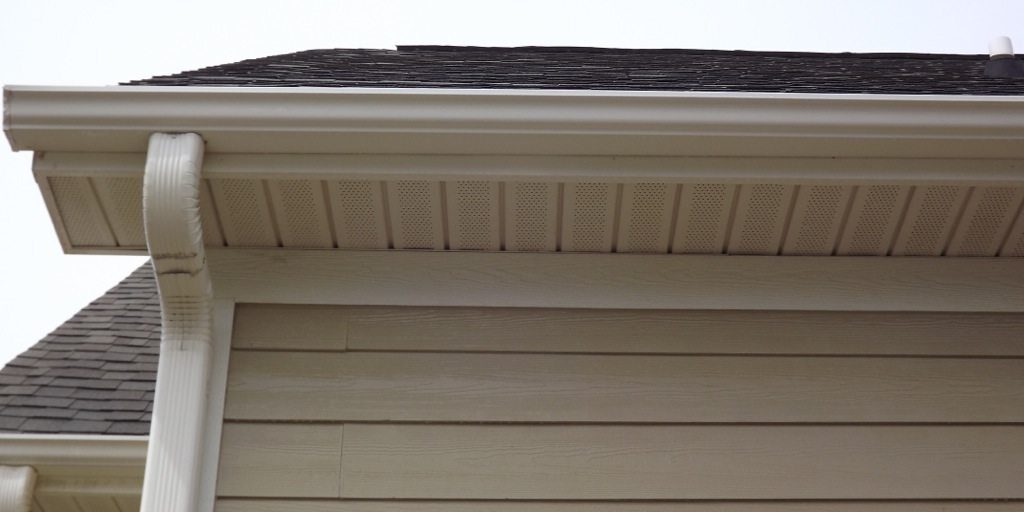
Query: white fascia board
(73, 450)
(555, 168)
(79, 465)
(461, 121)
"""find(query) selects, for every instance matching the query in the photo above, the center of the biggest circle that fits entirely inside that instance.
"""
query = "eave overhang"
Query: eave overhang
(541, 171)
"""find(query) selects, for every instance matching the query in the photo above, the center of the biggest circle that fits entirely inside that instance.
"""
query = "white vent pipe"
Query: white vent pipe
(1000, 48)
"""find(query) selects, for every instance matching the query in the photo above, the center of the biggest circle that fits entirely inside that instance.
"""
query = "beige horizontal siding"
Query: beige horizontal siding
(626, 462)
(458, 387)
(280, 460)
(269, 326)
(290, 327)
(232, 505)
(367, 409)
(690, 462)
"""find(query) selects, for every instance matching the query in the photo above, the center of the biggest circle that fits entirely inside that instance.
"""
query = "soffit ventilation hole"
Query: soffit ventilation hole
(122, 200)
(302, 218)
(1017, 250)
(986, 223)
(814, 235)
(703, 230)
(869, 233)
(358, 213)
(78, 211)
(473, 214)
(930, 225)
(533, 220)
(415, 214)
(592, 222)
(758, 233)
(647, 218)
(243, 210)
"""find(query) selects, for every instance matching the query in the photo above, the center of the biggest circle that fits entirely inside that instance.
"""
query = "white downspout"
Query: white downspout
(17, 483)
(175, 239)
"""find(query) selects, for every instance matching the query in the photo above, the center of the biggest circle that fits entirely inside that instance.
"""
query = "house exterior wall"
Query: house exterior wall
(348, 408)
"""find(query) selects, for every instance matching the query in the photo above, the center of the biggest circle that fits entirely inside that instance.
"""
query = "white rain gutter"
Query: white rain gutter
(460, 121)
(53, 450)
(72, 465)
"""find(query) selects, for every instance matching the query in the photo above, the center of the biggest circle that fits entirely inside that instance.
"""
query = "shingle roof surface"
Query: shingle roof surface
(608, 69)
(95, 374)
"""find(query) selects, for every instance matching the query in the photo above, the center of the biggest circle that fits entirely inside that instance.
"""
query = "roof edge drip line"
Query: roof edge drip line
(461, 121)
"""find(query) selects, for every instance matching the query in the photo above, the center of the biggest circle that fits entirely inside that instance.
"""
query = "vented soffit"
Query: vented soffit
(542, 171)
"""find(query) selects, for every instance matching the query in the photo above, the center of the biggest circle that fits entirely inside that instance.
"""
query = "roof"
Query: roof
(608, 69)
(95, 374)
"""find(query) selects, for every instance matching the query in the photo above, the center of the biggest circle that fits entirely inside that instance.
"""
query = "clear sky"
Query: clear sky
(44, 42)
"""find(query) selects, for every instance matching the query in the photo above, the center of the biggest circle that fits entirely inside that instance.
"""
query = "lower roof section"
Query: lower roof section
(95, 373)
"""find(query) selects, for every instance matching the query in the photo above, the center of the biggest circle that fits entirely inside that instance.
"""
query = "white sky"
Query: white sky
(72, 42)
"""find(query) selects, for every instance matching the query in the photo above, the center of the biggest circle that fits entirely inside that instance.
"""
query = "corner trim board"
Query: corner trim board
(223, 324)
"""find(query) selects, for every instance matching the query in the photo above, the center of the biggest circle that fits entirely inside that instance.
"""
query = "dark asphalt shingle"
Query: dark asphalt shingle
(608, 69)
(95, 373)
